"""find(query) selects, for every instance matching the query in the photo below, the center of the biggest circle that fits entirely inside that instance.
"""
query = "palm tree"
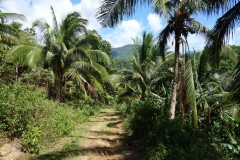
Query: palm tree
(8, 35)
(65, 55)
(180, 24)
(142, 66)
(145, 73)
(26, 53)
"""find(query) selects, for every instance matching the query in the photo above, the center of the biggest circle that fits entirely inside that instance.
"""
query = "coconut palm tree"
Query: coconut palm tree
(145, 72)
(26, 53)
(180, 24)
(8, 35)
(65, 55)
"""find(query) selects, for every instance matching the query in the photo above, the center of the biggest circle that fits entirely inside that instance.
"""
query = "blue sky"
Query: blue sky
(144, 19)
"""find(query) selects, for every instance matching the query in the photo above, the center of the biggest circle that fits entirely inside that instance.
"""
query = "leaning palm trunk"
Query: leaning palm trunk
(175, 80)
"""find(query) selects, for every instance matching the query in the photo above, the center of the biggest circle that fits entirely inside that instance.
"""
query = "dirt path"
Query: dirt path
(100, 139)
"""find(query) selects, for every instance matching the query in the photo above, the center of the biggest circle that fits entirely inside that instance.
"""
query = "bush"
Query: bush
(18, 106)
(31, 139)
(27, 114)
(164, 139)
(143, 116)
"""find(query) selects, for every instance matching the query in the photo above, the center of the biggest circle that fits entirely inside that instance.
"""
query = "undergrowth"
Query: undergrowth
(162, 139)
(26, 113)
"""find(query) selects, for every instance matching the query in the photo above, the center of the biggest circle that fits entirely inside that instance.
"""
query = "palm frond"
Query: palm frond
(35, 58)
(136, 65)
(84, 66)
(187, 86)
(227, 53)
(236, 114)
(210, 7)
(163, 7)
(163, 39)
(128, 94)
(73, 74)
(222, 31)
(198, 27)
(235, 84)
(148, 68)
(96, 84)
(115, 80)
(102, 69)
(203, 66)
(12, 16)
(112, 12)
(99, 56)
(71, 27)
(55, 24)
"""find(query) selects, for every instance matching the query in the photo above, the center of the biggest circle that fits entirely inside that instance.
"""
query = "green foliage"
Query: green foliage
(18, 105)
(143, 116)
(225, 133)
(31, 139)
(123, 52)
(27, 114)
(163, 139)
(122, 63)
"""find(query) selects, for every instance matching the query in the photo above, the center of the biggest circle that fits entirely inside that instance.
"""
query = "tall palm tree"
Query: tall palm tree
(64, 54)
(180, 24)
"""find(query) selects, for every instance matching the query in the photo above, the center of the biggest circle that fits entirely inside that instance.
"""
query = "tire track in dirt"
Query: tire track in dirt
(103, 139)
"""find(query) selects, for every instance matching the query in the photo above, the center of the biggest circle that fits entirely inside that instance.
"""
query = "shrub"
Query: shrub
(18, 105)
(144, 115)
(27, 114)
(31, 139)
(164, 139)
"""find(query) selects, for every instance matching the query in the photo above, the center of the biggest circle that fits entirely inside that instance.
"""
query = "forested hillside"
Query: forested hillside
(123, 52)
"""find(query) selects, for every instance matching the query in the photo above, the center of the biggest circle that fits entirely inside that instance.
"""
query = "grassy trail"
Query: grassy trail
(100, 139)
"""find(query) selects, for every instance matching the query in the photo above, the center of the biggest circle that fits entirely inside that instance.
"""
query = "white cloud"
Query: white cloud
(124, 33)
(154, 21)
(35, 9)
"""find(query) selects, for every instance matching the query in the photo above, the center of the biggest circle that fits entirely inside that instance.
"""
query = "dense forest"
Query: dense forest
(177, 105)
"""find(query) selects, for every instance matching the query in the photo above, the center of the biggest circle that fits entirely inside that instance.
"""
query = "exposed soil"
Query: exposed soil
(100, 139)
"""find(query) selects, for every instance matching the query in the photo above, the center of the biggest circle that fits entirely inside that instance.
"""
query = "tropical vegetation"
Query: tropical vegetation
(173, 104)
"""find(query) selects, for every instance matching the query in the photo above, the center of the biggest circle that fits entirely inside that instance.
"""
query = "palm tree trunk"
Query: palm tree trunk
(17, 72)
(143, 96)
(175, 80)
(65, 89)
(58, 86)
